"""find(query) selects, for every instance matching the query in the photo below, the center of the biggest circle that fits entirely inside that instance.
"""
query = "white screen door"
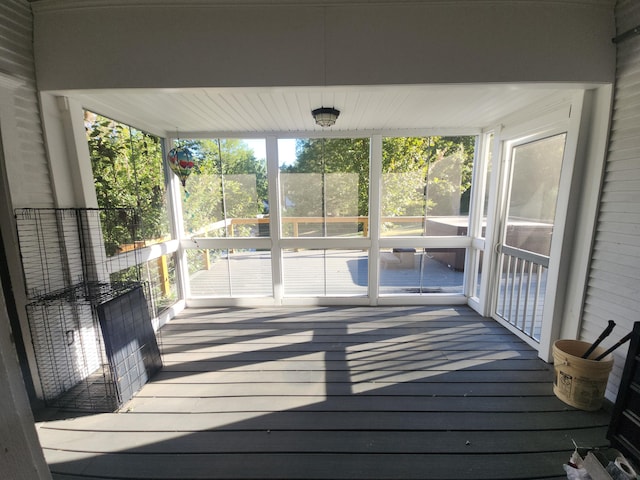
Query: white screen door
(529, 210)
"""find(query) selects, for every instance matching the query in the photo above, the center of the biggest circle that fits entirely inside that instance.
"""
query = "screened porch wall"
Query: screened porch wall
(348, 219)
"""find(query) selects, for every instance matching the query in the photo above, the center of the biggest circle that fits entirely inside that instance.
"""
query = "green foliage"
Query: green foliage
(330, 159)
(128, 172)
(227, 182)
(439, 168)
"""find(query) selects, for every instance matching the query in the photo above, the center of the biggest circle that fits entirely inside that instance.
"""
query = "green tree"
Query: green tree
(439, 167)
(227, 182)
(441, 164)
(128, 172)
(329, 158)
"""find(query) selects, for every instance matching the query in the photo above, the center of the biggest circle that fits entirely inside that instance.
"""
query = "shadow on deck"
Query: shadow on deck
(332, 393)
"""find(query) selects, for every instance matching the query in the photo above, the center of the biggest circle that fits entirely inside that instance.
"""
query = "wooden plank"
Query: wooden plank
(343, 403)
(457, 325)
(385, 354)
(308, 466)
(376, 379)
(316, 336)
(302, 344)
(361, 321)
(449, 324)
(201, 362)
(463, 442)
(445, 333)
(183, 386)
(318, 421)
(355, 339)
(338, 328)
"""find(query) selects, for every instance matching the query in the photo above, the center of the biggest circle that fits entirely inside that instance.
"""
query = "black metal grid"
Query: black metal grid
(130, 342)
(72, 366)
(63, 248)
(71, 268)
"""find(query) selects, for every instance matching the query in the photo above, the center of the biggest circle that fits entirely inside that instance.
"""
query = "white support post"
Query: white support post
(375, 205)
(174, 194)
(475, 215)
(275, 232)
(69, 158)
(492, 232)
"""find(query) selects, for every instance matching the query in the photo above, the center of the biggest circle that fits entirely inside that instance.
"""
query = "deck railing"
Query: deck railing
(231, 228)
(522, 289)
(229, 225)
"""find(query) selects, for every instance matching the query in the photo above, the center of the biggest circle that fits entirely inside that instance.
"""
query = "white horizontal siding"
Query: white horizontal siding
(613, 290)
(28, 176)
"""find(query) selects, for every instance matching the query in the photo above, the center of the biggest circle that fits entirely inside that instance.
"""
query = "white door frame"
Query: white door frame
(563, 116)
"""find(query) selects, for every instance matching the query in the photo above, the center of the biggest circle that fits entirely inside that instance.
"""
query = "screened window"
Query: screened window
(128, 172)
(426, 184)
(226, 193)
(325, 272)
(533, 194)
(421, 270)
(324, 187)
(230, 272)
(130, 186)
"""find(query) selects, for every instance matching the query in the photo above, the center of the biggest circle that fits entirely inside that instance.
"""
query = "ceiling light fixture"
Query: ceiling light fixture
(325, 116)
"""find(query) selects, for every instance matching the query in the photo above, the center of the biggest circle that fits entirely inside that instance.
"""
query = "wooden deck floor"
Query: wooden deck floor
(332, 393)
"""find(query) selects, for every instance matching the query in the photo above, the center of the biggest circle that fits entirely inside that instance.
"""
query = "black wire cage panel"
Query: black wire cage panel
(93, 354)
(82, 277)
(70, 355)
(64, 248)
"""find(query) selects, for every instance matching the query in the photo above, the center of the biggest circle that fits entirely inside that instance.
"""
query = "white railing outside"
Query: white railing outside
(522, 289)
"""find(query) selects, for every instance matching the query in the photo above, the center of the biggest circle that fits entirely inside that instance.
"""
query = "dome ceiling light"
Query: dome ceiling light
(325, 116)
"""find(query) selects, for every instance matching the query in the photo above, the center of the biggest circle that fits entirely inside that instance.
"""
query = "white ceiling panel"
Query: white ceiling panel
(366, 109)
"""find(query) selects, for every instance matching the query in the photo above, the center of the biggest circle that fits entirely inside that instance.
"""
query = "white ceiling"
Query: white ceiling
(283, 110)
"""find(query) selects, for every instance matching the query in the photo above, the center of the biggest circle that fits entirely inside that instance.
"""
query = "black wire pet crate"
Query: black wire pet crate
(89, 320)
